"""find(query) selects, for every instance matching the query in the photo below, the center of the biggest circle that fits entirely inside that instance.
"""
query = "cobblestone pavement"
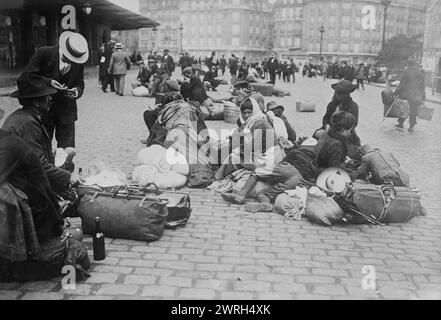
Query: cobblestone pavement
(226, 253)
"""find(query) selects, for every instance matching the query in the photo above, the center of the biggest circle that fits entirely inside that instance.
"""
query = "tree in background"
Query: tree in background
(399, 49)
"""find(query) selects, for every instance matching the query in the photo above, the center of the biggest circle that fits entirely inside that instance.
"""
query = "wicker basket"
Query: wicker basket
(265, 89)
(231, 113)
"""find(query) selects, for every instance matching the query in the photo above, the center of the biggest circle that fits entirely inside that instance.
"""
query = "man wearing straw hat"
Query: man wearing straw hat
(62, 68)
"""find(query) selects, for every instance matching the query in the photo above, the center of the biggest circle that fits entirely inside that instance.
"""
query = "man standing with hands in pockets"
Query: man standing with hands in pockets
(62, 67)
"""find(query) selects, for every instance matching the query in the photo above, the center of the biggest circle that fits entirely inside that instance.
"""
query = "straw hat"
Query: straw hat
(333, 179)
(74, 47)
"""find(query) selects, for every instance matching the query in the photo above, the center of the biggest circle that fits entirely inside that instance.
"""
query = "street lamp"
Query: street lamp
(386, 4)
(87, 8)
(154, 37)
(181, 28)
(322, 31)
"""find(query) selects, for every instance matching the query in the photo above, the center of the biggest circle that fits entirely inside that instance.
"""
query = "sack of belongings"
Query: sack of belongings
(322, 210)
(305, 107)
(166, 168)
(367, 203)
(124, 215)
(141, 92)
(383, 167)
(292, 203)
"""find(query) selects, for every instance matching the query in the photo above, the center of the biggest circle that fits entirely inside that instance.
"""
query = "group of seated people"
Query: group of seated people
(277, 157)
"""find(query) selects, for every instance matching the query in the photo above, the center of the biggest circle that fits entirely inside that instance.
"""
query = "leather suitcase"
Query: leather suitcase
(305, 107)
(178, 207)
(124, 215)
(383, 204)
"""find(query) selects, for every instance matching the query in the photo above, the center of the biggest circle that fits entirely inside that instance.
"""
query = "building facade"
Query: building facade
(432, 45)
(353, 29)
(241, 27)
(26, 25)
(288, 29)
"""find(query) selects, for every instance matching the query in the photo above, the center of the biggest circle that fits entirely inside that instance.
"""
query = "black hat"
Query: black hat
(344, 86)
(32, 86)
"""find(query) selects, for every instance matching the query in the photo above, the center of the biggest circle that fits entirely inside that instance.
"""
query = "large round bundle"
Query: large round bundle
(231, 112)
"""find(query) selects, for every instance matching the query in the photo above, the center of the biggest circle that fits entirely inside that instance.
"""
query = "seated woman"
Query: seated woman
(146, 70)
(332, 147)
(255, 148)
(342, 101)
(253, 74)
(276, 110)
(192, 88)
(211, 80)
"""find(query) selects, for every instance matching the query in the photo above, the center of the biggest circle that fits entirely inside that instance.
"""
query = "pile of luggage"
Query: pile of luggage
(382, 195)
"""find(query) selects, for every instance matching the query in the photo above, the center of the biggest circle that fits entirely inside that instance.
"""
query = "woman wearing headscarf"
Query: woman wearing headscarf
(255, 148)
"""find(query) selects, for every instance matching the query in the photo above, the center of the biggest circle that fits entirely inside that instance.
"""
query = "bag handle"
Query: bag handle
(145, 189)
(119, 189)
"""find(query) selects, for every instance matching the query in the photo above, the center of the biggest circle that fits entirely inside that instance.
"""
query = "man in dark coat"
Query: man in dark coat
(109, 77)
(412, 88)
(192, 87)
(223, 64)
(234, 67)
(21, 167)
(169, 61)
(34, 95)
(62, 67)
(272, 68)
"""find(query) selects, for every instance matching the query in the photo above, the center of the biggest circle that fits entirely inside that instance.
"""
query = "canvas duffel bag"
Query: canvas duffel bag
(124, 215)
(383, 204)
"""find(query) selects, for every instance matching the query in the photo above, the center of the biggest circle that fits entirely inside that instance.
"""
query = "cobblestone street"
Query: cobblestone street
(227, 253)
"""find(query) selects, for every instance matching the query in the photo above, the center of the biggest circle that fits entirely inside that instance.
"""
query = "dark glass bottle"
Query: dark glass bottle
(99, 246)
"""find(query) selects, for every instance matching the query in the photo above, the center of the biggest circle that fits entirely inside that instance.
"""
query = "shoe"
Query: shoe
(259, 207)
(104, 90)
(400, 124)
(239, 198)
(121, 94)
(412, 129)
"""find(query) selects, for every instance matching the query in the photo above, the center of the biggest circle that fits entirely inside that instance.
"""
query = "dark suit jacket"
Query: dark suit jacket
(170, 64)
(20, 166)
(194, 90)
(46, 63)
(412, 85)
(331, 152)
(349, 106)
(273, 66)
(26, 124)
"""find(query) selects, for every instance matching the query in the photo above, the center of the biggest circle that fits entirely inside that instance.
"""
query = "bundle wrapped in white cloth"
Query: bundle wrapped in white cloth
(166, 168)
